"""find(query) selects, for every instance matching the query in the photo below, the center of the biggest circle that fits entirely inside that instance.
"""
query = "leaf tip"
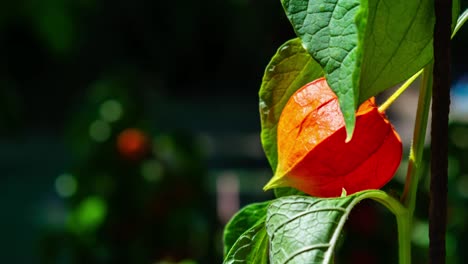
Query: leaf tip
(349, 116)
(349, 132)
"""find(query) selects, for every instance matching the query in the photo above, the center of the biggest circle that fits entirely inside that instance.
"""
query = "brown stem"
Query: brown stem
(439, 131)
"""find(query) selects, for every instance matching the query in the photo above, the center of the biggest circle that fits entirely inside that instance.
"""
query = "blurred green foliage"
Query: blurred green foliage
(75, 75)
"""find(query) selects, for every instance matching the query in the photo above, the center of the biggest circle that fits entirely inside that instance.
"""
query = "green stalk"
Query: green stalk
(399, 92)
(403, 222)
(405, 217)
(417, 145)
(414, 166)
(404, 213)
(404, 238)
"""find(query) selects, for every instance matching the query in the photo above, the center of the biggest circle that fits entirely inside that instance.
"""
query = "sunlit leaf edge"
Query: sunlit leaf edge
(250, 247)
(243, 220)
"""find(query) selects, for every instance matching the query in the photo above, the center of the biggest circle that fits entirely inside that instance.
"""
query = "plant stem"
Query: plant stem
(439, 131)
(398, 92)
(404, 238)
(403, 222)
(405, 217)
(417, 145)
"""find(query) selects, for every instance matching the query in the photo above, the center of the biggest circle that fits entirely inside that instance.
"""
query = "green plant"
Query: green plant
(362, 48)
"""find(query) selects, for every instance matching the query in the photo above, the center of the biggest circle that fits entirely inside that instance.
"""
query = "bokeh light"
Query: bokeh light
(111, 110)
(462, 186)
(66, 185)
(420, 235)
(99, 131)
(88, 215)
(152, 170)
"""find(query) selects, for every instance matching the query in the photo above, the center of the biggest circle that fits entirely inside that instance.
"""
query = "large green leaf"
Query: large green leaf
(243, 220)
(289, 69)
(304, 229)
(398, 43)
(364, 46)
(251, 247)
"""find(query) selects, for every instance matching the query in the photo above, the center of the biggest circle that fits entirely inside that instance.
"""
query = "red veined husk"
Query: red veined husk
(312, 153)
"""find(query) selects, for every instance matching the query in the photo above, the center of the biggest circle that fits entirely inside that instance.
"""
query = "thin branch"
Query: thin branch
(439, 131)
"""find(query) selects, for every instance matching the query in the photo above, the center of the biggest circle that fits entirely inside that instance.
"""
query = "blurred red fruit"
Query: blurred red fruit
(133, 144)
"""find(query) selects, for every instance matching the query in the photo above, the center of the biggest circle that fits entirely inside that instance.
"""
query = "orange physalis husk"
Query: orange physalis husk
(312, 153)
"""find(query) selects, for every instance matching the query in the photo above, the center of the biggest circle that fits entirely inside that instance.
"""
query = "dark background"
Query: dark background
(184, 70)
(186, 74)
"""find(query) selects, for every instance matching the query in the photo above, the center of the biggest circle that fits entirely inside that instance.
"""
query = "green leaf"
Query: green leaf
(246, 218)
(332, 32)
(364, 47)
(251, 247)
(289, 69)
(460, 22)
(304, 229)
(398, 43)
(455, 14)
